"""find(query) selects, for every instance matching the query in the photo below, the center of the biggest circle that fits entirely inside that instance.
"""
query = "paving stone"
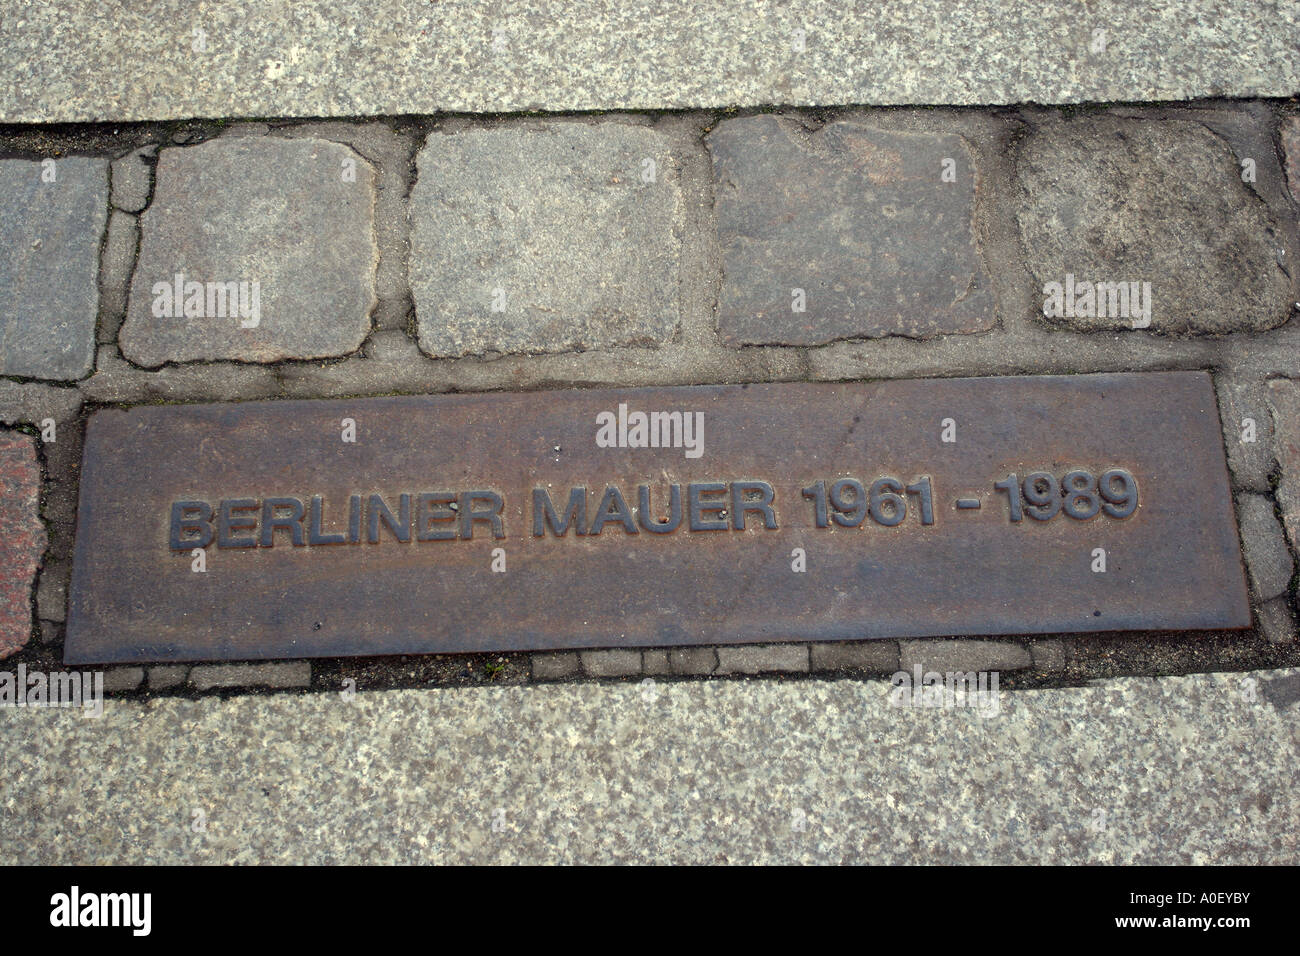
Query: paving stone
(391, 346)
(22, 538)
(1268, 562)
(763, 659)
(693, 660)
(1245, 411)
(167, 676)
(858, 218)
(1050, 656)
(880, 656)
(1284, 396)
(49, 632)
(1277, 621)
(118, 381)
(552, 225)
(116, 261)
(391, 154)
(132, 179)
(287, 674)
(616, 663)
(30, 403)
(52, 592)
(49, 260)
(655, 662)
(1192, 771)
(123, 678)
(1291, 149)
(276, 212)
(68, 63)
(964, 655)
(1123, 200)
(556, 666)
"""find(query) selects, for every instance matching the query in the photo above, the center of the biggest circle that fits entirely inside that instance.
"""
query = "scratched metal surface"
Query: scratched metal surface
(1174, 564)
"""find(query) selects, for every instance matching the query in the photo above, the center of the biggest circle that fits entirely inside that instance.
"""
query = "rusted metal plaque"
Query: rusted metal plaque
(654, 517)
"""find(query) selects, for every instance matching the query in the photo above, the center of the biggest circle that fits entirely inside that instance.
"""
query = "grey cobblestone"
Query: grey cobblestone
(1245, 412)
(118, 381)
(294, 216)
(1050, 655)
(116, 260)
(876, 656)
(1268, 562)
(49, 260)
(763, 659)
(1277, 621)
(489, 272)
(829, 234)
(123, 678)
(168, 676)
(964, 655)
(696, 661)
(30, 403)
(556, 666)
(655, 662)
(391, 347)
(1207, 246)
(52, 591)
(392, 155)
(277, 674)
(1284, 397)
(612, 663)
(132, 179)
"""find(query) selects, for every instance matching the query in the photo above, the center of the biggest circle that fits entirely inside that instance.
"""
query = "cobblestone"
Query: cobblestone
(763, 659)
(1284, 396)
(275, 674)
(289, 222)
(1268, 562)
(612, 663)
(875, 656)
(846, 232)
(52, 216)
(556, 666)
(964, 655)
(1117, 200)
(547, 238)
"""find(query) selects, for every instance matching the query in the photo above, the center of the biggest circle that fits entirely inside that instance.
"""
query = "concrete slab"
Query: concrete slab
(82, 61)
(1196, 769)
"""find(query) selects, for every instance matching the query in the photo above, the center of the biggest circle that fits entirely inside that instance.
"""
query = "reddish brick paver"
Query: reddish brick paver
(22, 538)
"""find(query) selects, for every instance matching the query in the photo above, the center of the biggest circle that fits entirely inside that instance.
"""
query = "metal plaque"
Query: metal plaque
(654, 517)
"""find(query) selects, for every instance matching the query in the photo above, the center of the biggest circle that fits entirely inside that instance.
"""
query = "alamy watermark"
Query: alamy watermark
(977, 690)
(191, 299)
(1130, 301)
(26, 688)
(635, 429)
(130, 910)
